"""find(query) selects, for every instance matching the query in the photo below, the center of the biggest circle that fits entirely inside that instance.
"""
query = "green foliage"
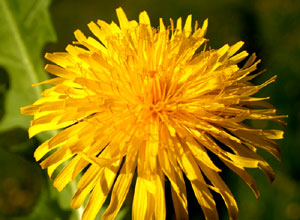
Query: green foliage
(25, 193)
(25, 28)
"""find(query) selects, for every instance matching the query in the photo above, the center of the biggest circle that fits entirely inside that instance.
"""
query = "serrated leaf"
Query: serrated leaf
(25, 28)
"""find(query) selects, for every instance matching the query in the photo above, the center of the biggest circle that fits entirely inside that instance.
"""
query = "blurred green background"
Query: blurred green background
(29, 28)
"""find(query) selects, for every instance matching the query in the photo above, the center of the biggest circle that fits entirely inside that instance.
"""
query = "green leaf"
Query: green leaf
(25, 28)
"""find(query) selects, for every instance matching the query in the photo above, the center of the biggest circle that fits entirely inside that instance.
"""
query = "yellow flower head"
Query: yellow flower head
(135, 99)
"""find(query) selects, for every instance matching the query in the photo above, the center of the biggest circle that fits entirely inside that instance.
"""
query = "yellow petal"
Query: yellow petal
(144, 18)
(60, 155)
(205, 199)
(82, 193)
(257, 140)
(121, 187)
(174, 174)
(204, 27)
(97, 32)
(239, 57)
(141, 201)
(187, 162)
(180, 208)
(179, 25)
(245, 176)
(223, 190)
(200, 153)
(188, 26)
(122, 18)
(65, 175)
(159, 197)
(162, 27)
(234, 48)
(62, 59)
(100, 192)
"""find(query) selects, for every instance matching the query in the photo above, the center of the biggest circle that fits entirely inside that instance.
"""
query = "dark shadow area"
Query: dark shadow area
(4, 86)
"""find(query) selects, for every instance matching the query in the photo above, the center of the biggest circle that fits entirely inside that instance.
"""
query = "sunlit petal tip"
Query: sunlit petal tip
(204, 26)
(122, 18)
(144, 18)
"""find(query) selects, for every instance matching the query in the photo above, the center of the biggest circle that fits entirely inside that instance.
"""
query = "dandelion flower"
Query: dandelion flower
(156, 103)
